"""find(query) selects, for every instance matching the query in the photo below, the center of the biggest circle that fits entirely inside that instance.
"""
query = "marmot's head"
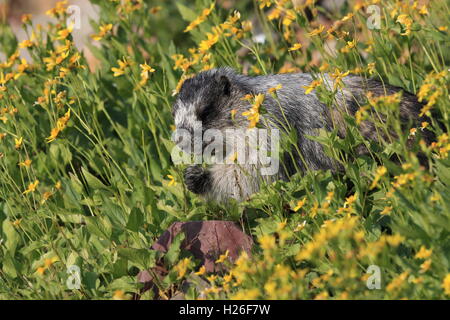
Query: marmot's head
(206, 101)
(204, 98)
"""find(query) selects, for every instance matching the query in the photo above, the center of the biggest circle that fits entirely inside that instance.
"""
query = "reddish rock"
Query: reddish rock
(207, 240)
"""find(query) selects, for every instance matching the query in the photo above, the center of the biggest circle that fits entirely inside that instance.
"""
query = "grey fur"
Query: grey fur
(210, 96)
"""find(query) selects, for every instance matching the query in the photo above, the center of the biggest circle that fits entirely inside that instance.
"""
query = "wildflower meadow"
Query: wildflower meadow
(87, 183)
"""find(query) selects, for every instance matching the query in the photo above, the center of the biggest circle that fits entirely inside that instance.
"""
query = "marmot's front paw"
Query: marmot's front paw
(197, 179)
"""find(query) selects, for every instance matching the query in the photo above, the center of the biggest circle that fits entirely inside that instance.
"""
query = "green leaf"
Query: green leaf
(12, 237)
(174, 251)
(92, 181)
(9, 267)
(100, 226)
(142, 258)
(136, 220)
(186, 13)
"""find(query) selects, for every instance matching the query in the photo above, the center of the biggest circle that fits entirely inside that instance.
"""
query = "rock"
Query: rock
(207, 240)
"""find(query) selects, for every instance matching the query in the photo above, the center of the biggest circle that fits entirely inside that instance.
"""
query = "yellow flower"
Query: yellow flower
(146, 69)
(423, 11)
(359, 236)
(233, 113)
(322, 296)
(397, 282)
(200, 19)
(381, 171)
(41, 270)
(155, 10)
(273, 89)
(18, 142)
(31, 187)
(317, 31)
(25, 44)
(253, 114)
(223, 257)
(350, 45)
(64, 33)
(211, 39)
(121, 70)
(265, 3)
(119, 295)
(181, 63)
(58, 10)
(104, 29)
(314, 84)
(49, 261)
(267, 242)
(424, 267)
(407, 22)
(288, 18)
(25, 163)
(182, 267)
(180, 84)
(274, 14)
(446, 284)
(443, 28)
(172, 181)
(17, 222)
(300, 204)
(117, 72)
(233, 157)
(347, 17)
(46, 196)
(423, 253)
(423, 125)
(394, 240)
(386, 211)
(212, 278)
(295, 47)
(201, 271)
(281, 225)
(23, 66)
(53, 135)
(338, 76)
(58, 185)
(324, 67)
(227, 278)
(26, 18)
(350, 200)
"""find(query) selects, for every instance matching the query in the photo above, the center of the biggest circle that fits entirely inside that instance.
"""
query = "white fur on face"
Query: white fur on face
(185, 116)
(188, 124)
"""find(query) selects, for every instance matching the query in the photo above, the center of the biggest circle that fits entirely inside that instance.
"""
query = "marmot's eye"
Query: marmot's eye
(206, 112)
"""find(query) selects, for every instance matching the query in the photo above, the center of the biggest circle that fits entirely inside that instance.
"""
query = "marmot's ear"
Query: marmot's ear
(224, 85)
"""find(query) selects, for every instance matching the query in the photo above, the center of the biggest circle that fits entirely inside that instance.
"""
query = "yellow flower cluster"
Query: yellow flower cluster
(200, 19)
(253, 114)
(104, 30)
(182, 267)
(431, 90)
(47, 264)
(123, 64)
(60, 126)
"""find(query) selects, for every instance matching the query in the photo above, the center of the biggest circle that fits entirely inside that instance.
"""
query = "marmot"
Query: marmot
(216, 99)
